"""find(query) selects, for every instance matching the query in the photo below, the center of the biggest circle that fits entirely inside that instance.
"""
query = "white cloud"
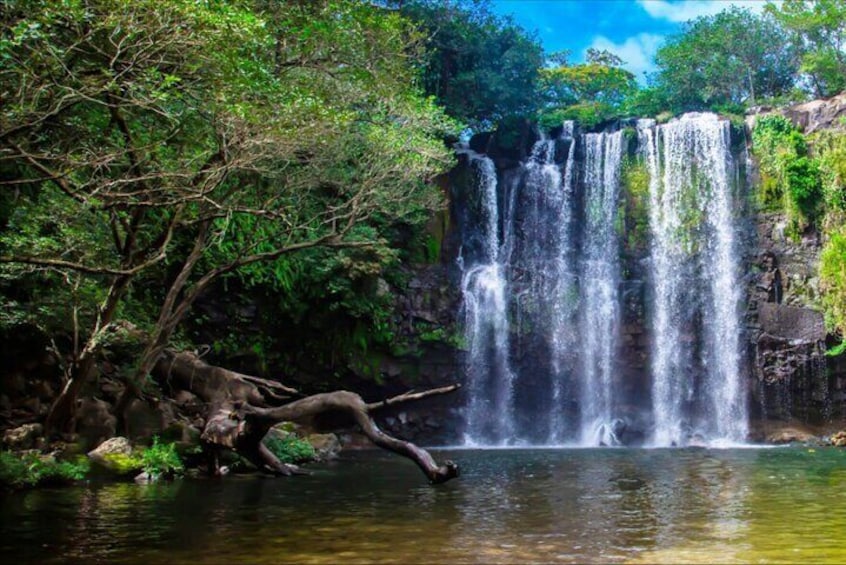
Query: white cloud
(637, 51)
(684, 10)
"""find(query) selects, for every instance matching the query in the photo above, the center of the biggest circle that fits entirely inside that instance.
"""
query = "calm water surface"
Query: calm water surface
(613, 505)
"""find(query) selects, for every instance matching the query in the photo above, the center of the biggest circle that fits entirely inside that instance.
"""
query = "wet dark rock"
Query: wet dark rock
(480, 141)
(792, 378)
(562, 149)
(326, 446)
(95, 421)
(791, 322)
(23, 437)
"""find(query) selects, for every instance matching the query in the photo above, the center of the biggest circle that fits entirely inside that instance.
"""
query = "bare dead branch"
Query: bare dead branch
(411, 396)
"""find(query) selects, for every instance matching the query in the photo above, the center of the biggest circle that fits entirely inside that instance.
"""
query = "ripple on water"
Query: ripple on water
(568, 506)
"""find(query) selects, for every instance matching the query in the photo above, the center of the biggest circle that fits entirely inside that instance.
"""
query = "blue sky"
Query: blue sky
(632, 29)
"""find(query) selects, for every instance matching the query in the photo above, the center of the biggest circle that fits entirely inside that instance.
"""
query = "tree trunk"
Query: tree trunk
(244, 408)
(61, 419)
(164, 328)
(62, 415)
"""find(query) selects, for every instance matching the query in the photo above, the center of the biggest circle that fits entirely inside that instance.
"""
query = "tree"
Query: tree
(480, 67)
(819, 31)
(734, 57)
(242, 409)
(589, 92)
(153, 147)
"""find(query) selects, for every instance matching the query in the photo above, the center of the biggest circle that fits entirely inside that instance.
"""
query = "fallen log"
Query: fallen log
(242, 409)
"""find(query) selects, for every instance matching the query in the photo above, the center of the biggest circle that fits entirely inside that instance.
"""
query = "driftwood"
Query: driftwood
(242, 409)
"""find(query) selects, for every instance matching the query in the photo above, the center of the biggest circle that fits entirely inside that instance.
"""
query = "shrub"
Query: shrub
(790, 179)
(161, 459)
(833, 280)
(289, 449)
(804, 184)
(830, 148)
(32, 469)
(635, 208)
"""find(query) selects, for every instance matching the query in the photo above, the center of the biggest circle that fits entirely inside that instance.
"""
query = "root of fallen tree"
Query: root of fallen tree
(242, 409)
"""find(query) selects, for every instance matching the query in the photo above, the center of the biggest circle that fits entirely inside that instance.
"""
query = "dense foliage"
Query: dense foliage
(818, 29)
(726, 60)
(634, 210)
(723, 62)
(290, 448)
(790, 177)
(805, 178)
(589, 93)
(151, 148)
(32, 469)
(480, 67)
(161, 459)
(830, 150)
(833, 282)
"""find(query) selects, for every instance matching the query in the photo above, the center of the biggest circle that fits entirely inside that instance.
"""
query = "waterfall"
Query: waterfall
(490, 413)
(564, 292)
(540, 254)
(599, 282)
(697, 390)
(541, 284)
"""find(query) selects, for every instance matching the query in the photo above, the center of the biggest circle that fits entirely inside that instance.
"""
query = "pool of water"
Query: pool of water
(567, 506)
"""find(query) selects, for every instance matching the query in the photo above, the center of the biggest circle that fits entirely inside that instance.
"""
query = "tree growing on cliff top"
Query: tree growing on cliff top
(148, 148)
(590, 92)
(732, 58)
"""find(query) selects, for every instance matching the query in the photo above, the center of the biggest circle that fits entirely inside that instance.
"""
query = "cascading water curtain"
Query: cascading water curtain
(697, 390)
(490, 380)
(563, 303)
(599, 281)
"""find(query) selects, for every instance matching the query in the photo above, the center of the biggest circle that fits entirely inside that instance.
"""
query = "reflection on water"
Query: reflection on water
(613, 505)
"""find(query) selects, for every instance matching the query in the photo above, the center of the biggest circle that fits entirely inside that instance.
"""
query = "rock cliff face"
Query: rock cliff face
(792, 378)
(818, 114)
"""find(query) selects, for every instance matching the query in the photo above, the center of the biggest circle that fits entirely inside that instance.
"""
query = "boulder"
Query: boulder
(790, 435)
(23, 437)
(115, 455)
(95, 421)
(838, 439)
(111, 446)
(326, 446)
(146, 419)
(818, 114)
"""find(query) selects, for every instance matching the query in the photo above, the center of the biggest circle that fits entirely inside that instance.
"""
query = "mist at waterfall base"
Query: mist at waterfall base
(544, 291)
